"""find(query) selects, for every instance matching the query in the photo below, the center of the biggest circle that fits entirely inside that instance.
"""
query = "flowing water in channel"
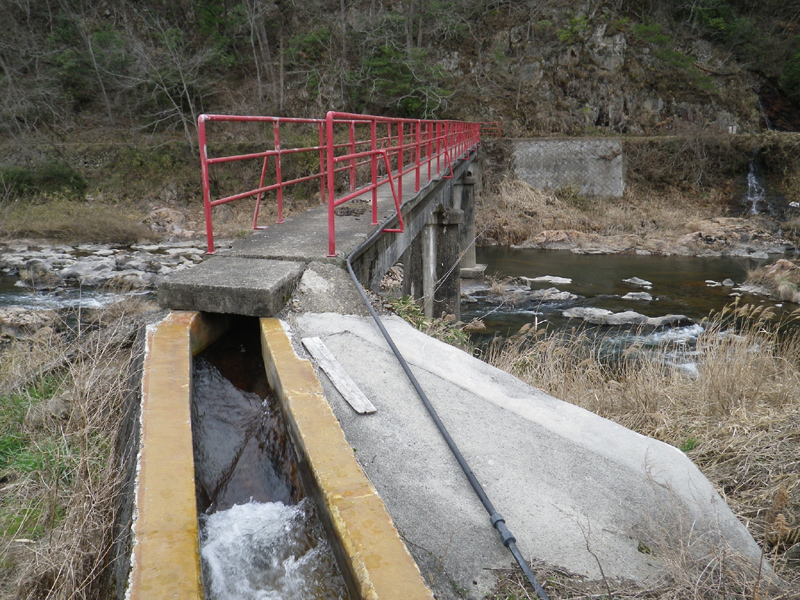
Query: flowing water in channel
(260, 538)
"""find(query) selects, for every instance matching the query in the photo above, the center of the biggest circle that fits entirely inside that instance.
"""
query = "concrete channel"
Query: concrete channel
(166, 562)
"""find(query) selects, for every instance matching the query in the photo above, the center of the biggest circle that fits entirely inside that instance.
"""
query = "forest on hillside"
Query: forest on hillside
(542, 66)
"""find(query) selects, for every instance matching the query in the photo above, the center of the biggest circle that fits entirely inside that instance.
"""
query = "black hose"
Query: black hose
(508, 539)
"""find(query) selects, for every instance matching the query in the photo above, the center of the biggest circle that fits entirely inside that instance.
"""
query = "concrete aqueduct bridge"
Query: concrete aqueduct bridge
(580, 493)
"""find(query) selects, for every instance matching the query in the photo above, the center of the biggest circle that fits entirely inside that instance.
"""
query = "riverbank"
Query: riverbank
(641, 222)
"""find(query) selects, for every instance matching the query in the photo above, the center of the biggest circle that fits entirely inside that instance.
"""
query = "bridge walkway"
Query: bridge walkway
(255, 275)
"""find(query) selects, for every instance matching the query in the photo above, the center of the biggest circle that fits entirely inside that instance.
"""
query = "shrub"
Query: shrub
(51, 177)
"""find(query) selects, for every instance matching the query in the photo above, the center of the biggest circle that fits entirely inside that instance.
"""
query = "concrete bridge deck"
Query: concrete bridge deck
(256, 275)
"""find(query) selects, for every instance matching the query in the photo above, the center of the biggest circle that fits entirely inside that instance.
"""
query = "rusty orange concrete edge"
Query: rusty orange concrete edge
(165, 561)
(379, 564)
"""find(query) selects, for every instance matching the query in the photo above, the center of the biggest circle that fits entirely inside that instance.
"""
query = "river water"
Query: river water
(680, 285)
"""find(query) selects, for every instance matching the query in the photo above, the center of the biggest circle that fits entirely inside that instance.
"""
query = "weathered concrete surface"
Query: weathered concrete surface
(256, 275)
(226, 284)
(326, 288)
(592, 167)
(563, 477)
(378, 565)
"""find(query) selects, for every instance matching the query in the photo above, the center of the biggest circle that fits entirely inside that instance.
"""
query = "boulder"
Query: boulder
(595, 316)
(643, 296)
(627, 317)
(18, 322)
(638, 282)
(552, 295)
(552, 279)
(90, 271)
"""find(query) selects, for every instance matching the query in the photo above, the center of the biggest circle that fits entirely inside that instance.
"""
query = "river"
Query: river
(685, 285)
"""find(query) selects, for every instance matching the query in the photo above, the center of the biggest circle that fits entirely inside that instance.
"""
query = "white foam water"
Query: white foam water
(268, 551)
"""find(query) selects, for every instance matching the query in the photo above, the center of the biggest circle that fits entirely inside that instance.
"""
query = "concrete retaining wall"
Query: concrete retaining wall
(592, 167)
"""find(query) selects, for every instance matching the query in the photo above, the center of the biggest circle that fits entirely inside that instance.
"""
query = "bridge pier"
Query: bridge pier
(430, 269)
(447, 290)
(442, 249)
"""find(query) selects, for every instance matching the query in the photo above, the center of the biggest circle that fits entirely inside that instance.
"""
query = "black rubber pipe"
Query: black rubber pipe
(508, 539)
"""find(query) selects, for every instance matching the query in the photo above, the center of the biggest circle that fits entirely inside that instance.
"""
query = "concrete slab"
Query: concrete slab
(257, 274)
(304, 237)
(575, 489)
(230, 285)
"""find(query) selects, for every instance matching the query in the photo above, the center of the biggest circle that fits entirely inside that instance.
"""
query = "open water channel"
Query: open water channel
(260, 537)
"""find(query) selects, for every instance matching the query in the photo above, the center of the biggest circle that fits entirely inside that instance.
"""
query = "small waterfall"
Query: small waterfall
(763, 112)
(755, 191)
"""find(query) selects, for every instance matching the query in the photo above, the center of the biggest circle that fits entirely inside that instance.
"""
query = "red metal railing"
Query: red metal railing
(357, 154)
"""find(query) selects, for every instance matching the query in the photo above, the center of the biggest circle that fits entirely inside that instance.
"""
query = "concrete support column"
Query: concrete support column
(447, 295)
(467, 205)
(412, 269)
(428, 253)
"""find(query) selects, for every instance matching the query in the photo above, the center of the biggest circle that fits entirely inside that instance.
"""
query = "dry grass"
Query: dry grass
(738, 419)
(235, 219)
(781, 277)
(514, 210)
(71, 221)
(62, 397)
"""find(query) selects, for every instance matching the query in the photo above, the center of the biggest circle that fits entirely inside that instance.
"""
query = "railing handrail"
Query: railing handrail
(430, 145)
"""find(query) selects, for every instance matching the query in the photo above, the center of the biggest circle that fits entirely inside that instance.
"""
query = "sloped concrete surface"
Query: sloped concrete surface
(574, 488)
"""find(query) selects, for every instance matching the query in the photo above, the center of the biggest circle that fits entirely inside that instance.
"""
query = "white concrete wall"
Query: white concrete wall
(594, 167)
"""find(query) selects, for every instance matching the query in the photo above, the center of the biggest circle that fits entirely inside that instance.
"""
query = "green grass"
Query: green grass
(12, 441)
(442, 329)
(31, 458)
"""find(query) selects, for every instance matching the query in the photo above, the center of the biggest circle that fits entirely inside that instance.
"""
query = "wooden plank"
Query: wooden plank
(338, 376)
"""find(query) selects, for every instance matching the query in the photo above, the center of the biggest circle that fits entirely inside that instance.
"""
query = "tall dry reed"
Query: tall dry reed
(59, 482)
(513, 211)
(737, 415)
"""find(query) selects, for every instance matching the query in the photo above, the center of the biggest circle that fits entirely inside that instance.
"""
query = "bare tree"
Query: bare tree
(170, 72)
(79, 21)
(257, 14)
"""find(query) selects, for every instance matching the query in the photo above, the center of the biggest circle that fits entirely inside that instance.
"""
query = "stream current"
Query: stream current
(679, 285)
(260, 537)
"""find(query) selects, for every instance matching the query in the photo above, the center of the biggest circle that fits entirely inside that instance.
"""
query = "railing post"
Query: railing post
(438, 146)
(429, 158)
(373, 134)
(331, 177)
(201, 135)
(400, 160)
(278, 174)
(260, 194)
(352, 151)
(418, 155)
